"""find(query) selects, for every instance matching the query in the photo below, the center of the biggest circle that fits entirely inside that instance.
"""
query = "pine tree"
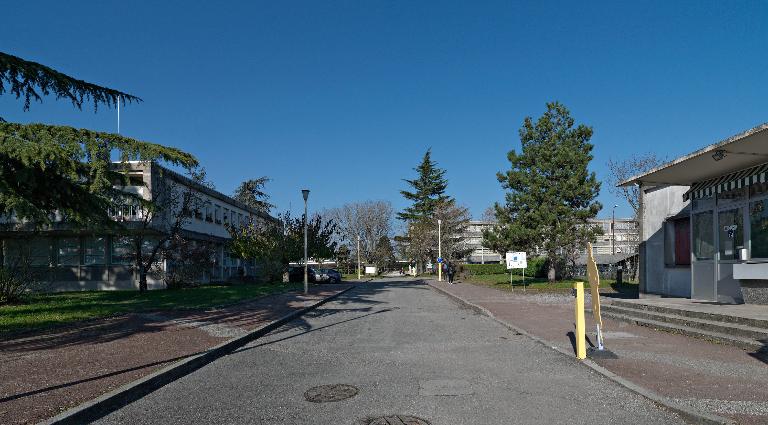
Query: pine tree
(47, 169)
(251, 194)
(550, 191)
(428, 190)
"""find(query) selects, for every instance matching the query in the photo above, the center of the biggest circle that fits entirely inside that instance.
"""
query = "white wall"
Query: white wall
(658, 278)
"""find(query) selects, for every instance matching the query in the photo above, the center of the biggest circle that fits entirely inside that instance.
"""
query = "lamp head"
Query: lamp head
(305, 193)
(718, 155)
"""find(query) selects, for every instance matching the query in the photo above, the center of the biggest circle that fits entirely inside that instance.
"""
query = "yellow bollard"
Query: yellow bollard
(581, 348)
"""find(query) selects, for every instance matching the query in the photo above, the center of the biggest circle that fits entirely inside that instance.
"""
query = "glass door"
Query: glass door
(730, 237)
(703, 251)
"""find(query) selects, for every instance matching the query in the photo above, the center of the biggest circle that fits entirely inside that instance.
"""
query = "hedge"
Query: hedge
(537, 267)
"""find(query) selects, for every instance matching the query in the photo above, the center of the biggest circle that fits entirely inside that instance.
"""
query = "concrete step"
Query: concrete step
(724, 318)
(722, 338)
(735, 329)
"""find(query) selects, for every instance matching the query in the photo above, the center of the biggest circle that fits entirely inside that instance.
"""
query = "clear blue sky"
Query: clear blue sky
(345, 97)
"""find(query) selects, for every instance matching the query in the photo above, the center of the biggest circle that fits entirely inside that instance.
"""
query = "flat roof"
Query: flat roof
(740, 151)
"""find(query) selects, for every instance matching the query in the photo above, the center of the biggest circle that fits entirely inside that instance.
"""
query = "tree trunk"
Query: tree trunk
(552, 272)
(142, 279)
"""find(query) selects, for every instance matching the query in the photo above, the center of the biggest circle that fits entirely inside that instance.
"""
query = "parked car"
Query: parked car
(327, 276)
(296, 274)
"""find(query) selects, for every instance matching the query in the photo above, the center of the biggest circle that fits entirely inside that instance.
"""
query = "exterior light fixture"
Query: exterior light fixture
(718, 155)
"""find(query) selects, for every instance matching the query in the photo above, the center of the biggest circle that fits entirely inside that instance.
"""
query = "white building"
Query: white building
(68, 258)
(620, 236)
(473, 239)
(704, 222)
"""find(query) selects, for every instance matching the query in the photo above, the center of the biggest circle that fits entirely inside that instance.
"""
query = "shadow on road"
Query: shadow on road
(362, 294)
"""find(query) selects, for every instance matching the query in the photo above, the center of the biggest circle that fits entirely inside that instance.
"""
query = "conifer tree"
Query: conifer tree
(550, 191)
(428, 190)
(48, 169)
(251, 194)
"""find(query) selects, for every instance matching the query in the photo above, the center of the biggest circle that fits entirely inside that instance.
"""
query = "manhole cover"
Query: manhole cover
(329, 393)
(395, 420)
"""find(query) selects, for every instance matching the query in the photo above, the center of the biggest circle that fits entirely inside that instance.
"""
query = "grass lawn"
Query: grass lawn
(501, 281)
(46, 310)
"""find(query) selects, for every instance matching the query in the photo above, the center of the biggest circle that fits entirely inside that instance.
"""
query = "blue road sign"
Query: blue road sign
(439, 259)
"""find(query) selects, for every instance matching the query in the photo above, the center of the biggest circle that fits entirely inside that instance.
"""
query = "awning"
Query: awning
(736, 180)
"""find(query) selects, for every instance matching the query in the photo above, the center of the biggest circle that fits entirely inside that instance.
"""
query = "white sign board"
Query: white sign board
(516, 260)
(370, 269)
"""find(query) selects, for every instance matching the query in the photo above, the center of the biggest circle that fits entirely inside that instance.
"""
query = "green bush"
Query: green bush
(484, 269)
(537, 267)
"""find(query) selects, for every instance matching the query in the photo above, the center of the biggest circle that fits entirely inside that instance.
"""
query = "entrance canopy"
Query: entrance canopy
(736, 160)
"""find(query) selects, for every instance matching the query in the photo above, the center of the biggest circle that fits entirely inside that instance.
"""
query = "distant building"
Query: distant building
(622, 239)
(70, 259)
(474, 241)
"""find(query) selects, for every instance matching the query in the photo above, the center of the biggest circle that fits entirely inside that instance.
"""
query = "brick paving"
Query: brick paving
(46, 372)
(720, 379)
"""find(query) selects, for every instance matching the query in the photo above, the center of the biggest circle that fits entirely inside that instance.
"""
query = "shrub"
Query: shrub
(537, 267)
(485, 269)
(15, 282)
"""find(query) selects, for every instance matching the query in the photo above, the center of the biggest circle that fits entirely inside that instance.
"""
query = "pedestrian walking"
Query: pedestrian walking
(449, 270)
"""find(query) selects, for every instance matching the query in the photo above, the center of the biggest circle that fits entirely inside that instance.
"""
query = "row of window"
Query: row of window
(74, 251)
(213, 214)
(735, 225)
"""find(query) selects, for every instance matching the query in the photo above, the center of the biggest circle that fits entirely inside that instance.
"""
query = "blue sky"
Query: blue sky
(344, 97)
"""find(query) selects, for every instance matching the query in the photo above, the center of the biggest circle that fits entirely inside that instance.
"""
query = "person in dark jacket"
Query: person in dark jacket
(450, 271)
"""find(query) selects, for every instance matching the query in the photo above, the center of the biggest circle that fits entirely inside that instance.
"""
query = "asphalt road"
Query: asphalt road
(410, 351)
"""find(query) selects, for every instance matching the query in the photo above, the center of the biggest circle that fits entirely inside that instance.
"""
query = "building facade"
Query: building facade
(704, 222)
(66, 258)
(473, 238)
(620, 236)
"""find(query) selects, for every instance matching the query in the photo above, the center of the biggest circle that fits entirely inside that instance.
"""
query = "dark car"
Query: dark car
(296, 274)
(327, 276)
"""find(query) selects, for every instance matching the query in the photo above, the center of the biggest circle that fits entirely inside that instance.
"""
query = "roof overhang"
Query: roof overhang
(735, 153)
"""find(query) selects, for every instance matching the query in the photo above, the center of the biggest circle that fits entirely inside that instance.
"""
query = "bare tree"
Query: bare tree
(489, 214)
(169, 205)
(370, 220)
(622, 170)
(421, 240)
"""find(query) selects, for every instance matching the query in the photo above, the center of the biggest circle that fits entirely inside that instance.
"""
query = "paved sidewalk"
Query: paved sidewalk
(46, 372)
(718, 379)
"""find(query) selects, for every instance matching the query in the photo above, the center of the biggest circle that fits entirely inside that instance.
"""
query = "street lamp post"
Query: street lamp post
(613, 230)
(358, 258)
(305, 194)
(439, 250)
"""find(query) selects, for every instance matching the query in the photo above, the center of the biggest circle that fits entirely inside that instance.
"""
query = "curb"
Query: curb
(128, 393)
(688, 414)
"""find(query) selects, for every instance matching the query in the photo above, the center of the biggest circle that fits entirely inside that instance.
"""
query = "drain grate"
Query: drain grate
(330, 393)
(395, 420)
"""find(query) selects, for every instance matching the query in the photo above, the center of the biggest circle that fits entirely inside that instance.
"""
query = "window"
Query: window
(122, 250)
(703, 203)
(703, 236)
(683, 242)
(677, 242)
(217, 214)
(33, 252)
(208, 213)
(731, 232)
(95, 250)
(226, 215)
(240, 219)
(731, 196)
(69, 251)
(758, 219)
